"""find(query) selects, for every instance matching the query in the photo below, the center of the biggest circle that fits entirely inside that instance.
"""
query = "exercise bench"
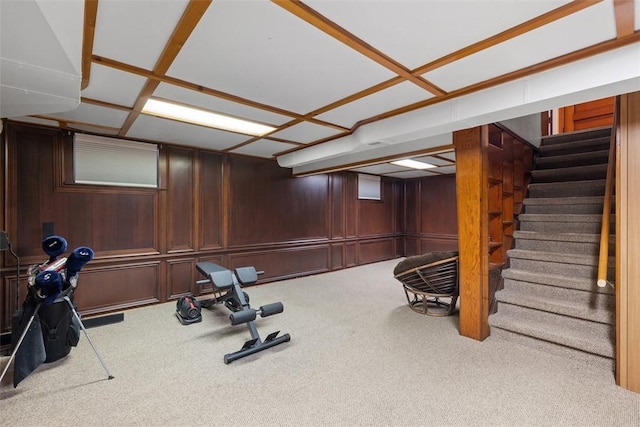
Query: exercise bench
(227, 288)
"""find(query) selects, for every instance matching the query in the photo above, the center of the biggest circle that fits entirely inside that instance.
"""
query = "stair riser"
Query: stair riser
(604, 132)
(561, 227)
(579, 284)
(583, 159)
(600, 362)
(548, 267)
(574, 147)
(568, 190)
(564, 209)
(570, 174)
(598, 331)
(603, 304)
(561, 247)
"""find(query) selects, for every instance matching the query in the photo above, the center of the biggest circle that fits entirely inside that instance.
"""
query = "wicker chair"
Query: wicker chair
(430, 282)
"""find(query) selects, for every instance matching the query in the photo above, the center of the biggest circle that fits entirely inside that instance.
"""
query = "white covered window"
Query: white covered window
(100, 160)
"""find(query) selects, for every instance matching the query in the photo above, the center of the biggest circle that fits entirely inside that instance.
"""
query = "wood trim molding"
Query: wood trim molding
(628, 244)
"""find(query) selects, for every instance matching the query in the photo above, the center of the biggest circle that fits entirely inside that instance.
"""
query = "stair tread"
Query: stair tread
(557, 257)
(574, 157)
(591, 200)
(557, 237)
(570, 282)
(581, 339)
(600, 132)
(563, 217)
(552, 304)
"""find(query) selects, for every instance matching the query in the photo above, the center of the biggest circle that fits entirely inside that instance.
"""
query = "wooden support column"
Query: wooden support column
(471, 195)
(628, 244)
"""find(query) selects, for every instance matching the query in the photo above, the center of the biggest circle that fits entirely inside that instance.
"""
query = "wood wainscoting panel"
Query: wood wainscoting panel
(337, 256)
(180, 200)
(351, 204)
(412, 246)
(181, 278)
(350, 254)
(376, 250)
(411, 206)
(438, 242)
(285, 263)
(117, 287)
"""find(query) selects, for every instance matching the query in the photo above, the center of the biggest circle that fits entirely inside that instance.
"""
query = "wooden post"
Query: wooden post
(628, 244)
(471, 196)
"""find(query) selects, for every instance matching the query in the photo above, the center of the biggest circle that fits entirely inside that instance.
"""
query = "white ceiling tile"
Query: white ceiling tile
(259, 51)
(427, 30)
(305, 132)
(263, 148)
(380, 102)
(198, 99)
(173, 132)
(114, 86)
(581, 29)
(89, 113)
(135, 32)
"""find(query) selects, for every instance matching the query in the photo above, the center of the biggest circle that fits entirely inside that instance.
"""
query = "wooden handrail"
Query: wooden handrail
(606, 206)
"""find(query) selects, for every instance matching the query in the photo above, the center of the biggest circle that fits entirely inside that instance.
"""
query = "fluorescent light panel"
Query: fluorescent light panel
(413, 164)
(196, 116)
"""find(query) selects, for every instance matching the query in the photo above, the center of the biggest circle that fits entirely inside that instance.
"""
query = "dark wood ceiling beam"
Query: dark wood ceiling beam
(625, 24)
(88, 33)
(518, 30)
(64, 124)
(194, 11)
(312, 17)
(104, 104)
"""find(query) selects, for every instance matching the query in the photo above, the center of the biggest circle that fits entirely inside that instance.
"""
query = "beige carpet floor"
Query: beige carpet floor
(358, 356)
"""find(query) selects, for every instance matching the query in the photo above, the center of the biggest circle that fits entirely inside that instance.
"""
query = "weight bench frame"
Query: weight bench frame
(227, 287)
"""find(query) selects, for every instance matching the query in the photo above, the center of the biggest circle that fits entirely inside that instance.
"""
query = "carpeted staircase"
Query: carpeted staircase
(550, 299)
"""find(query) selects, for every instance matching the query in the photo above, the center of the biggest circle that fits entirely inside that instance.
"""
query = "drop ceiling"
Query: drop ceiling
(347, 84)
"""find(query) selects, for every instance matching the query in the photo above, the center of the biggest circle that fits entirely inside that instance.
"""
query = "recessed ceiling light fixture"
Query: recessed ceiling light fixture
(196, 116)
(413, 164)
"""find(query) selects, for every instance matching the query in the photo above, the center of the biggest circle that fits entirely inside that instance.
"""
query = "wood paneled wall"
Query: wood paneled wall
(430, 215)
(232, 210)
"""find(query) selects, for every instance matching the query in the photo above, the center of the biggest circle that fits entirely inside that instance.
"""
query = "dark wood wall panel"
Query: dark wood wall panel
(350, 254)
(211, 192)
(377, 250)
(337, 205)
(351, 204)
(431, 215)
(280, 264)
(264, 198)
(181, 278)
(378, 217)
(181, 198)
(117, 287)
(437, 197)
(438, 242)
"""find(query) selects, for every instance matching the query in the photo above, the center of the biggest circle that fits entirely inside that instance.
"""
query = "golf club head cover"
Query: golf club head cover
(48, 286)
(77, 259)
(54, 246)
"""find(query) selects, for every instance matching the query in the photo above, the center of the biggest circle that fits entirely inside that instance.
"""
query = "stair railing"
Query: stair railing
(606, 206)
